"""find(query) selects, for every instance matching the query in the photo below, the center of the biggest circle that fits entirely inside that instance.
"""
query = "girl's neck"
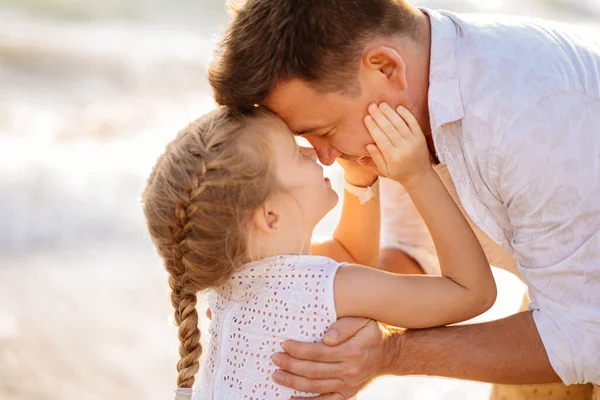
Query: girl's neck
(263, 245)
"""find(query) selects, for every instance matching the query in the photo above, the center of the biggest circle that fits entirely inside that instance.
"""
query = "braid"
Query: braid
(184, 301)
(209, 180)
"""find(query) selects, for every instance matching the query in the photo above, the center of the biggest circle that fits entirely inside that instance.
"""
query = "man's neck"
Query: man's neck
(418, 75)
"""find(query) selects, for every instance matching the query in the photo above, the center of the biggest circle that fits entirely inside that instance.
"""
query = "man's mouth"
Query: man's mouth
(354, 158)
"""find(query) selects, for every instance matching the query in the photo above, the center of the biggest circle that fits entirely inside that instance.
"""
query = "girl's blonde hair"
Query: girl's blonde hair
(199, 199)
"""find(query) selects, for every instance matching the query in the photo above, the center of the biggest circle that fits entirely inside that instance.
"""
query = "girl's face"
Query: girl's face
(300, 176)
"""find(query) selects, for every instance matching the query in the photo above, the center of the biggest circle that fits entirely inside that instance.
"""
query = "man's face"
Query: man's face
(331, 122)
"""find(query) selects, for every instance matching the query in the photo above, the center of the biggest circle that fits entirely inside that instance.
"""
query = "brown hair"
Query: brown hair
(318, 41)
(199, 198)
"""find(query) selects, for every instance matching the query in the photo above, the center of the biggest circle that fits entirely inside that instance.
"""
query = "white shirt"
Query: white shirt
(515, 115)
(267, 302)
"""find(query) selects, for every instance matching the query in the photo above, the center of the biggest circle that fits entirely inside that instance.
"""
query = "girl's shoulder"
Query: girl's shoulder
(293, 277)
(290, 266)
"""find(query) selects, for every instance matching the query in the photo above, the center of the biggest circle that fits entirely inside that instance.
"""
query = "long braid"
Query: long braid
(183, 291)
(209, 180)
(184, 302)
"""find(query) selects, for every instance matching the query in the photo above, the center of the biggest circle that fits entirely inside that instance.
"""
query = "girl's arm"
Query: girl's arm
(466, 287)
(356, 237)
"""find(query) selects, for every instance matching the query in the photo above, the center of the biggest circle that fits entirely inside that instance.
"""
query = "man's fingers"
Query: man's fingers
(307, 385)
(380, 138)
(307, 369)
(343, 329)
(411, 121)
(312, 351)
(378, 159)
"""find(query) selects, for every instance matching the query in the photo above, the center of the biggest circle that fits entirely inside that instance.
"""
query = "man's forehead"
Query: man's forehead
(289, 95)
(299, 119)
(302, 125)
(302, 108)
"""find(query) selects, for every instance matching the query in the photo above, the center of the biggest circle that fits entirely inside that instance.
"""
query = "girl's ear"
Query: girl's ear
(266, 218)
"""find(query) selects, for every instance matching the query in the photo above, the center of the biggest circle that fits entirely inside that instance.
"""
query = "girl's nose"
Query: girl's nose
(312, 153)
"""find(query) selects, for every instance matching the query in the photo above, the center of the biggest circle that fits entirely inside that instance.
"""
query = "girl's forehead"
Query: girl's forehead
(282, 135)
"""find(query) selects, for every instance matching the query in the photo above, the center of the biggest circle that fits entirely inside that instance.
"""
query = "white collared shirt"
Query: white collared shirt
(515, 114)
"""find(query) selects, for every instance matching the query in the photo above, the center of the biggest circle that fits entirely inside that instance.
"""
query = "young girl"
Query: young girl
(231, 206)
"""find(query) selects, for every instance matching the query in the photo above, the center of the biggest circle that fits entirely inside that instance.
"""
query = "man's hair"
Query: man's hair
(318, 41)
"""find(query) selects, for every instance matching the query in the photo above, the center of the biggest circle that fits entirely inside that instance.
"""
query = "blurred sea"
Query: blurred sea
(90, 92)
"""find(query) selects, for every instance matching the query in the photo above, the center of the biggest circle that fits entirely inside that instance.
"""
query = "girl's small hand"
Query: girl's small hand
(358, 172)
(401, 151)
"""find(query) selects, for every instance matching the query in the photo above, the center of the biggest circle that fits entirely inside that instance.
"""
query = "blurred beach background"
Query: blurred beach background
(90, 92)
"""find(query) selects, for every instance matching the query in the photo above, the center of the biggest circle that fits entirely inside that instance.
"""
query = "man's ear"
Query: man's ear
(266, 218)
(388, 64)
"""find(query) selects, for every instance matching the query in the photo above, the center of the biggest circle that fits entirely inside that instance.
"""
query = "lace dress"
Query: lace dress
(267, 302)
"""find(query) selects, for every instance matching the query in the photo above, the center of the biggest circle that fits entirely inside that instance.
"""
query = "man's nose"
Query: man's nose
(328, 155)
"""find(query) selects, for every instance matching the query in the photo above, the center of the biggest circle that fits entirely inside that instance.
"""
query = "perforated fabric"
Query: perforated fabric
(267, 302)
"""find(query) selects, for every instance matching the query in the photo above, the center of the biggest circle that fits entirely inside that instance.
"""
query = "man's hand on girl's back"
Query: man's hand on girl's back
(352, 354)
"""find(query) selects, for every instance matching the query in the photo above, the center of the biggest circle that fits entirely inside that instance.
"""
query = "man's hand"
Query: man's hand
(352, 354)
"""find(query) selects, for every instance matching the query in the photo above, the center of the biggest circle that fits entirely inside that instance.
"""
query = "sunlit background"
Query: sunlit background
(90, 92)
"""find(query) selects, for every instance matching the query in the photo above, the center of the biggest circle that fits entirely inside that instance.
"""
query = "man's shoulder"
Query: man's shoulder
(506, 66)
(524, 55)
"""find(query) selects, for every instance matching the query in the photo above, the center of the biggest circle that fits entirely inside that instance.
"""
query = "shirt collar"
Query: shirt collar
(445, 101)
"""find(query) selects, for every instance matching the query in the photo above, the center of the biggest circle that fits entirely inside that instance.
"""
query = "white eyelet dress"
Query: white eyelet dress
(267, 302)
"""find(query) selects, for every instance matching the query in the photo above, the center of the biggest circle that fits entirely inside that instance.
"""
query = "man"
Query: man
(510, 107)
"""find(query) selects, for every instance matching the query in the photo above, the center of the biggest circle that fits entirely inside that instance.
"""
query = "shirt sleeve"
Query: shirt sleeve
(548, 179)
(403, 228)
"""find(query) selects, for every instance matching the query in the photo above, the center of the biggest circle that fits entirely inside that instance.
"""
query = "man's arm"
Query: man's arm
(398, 262)
(507, 351)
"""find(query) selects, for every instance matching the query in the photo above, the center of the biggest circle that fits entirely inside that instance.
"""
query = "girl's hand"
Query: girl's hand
(359, 172)
(401, 151)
